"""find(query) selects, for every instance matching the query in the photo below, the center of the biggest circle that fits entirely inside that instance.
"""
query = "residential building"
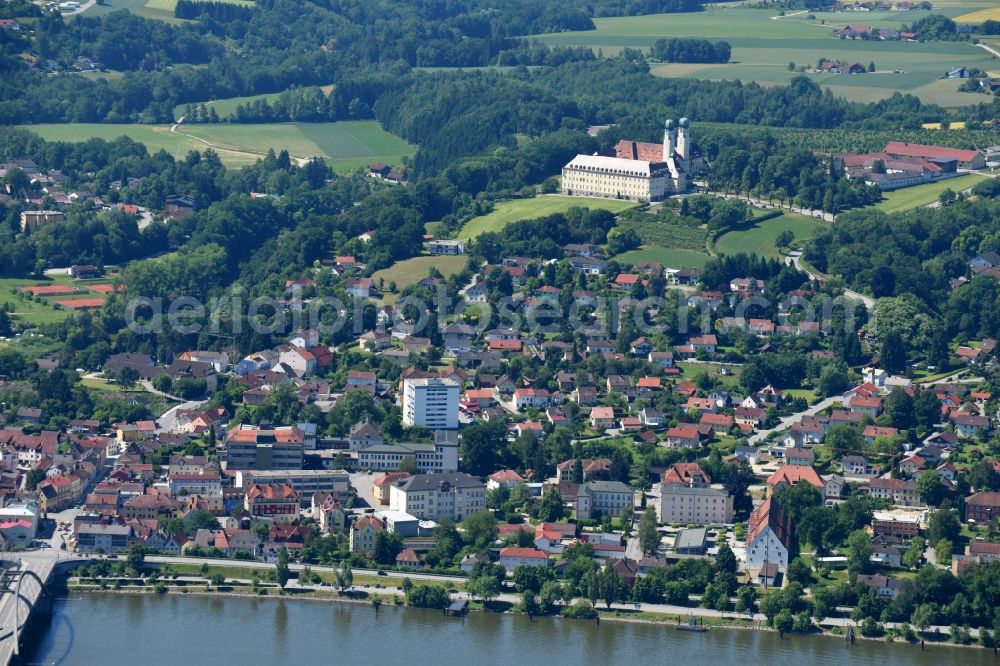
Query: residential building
(695, 504)
(363, 531)
(898, 491)
(100, 537)
(983, 508)
(251, 448)
(442, 456)
(600, 498)
(430, 402)
(305, 482)
(435, 496)
(275, 501)
(511, 558)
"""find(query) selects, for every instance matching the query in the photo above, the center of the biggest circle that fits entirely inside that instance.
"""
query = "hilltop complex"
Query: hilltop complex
(638, 171)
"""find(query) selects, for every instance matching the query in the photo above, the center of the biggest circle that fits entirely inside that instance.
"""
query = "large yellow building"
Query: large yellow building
(637, 172)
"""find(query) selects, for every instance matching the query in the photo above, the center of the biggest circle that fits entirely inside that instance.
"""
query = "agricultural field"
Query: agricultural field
(669, 257)
(169, 5)
(763, 47)
(506, 212)
(909, 198)
(760, 237)
(411, 271)
(346, 145)
(991, 14)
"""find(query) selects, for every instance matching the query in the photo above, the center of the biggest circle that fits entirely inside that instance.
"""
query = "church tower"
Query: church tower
(668, 141)
(684, 143)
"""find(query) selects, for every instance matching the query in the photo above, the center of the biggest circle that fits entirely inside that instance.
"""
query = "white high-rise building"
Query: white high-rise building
(430, 402)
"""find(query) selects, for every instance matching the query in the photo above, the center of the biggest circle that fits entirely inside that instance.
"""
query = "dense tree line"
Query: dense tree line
(794, 175)
(689, 49)
(219, 11)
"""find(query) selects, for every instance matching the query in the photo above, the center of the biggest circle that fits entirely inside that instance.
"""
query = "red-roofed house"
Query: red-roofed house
(789, 475)
(531, 557)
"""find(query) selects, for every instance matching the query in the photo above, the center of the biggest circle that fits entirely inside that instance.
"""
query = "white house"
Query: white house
(768, 537)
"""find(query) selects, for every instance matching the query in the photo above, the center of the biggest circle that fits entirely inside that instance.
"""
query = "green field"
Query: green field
(170, 5)
(225, 107)
(909, 198)
(668, 257)
(506, 212)
(764, 46)
(29, 311)
(411, 271)
(760, 237)
(346, 145)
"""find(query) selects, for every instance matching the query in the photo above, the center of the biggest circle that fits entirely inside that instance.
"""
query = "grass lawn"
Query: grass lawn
(667, 256)
(506, 212)
(346, 145)
(730, 381)
(411, 271)
(760, 237)
(763, 48)
(28, 310)
(909, 198)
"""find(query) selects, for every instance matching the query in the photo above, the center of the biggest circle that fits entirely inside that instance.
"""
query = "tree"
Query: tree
(844, 438)
(649, 536)
(33, 478)
(485, 580)
(483, 447)
(552, 593)
(752, 377)
(899, 406)
(833, 380)
(200, 519)
(860, 553)
(725, 560)
(613, 586)
(447, 542)
(799, 572)
(528, 603)
(943, 550)
(914, 555)
(480, 530)
(281, 571)
(746, 599)
(943, 524)
(931, 490)
(577, 471)
(345, 577)
(531, 577)
(892, 356)
(784, 621)
(871, 66)
(409, 465)
(549, 508)
(127, 377)
(135, 556)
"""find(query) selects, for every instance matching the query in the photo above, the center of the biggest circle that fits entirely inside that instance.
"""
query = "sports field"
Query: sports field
(909, 198)
(668, 257)
(18, 293)
(506, 212)
(346, 145)
(760, 237)
(763, 47)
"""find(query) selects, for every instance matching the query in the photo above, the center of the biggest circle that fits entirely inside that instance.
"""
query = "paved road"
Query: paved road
(787, 421)
(244, 564)
(168, 420)
(793, 258)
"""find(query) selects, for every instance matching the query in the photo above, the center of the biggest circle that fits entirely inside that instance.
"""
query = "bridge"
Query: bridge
(22, 591)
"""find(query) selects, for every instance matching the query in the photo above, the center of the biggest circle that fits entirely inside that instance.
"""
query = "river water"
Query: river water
(109, 629)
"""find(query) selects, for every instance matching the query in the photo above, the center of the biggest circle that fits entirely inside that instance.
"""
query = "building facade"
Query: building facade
(431, 402)
(253, 448)
(436, 496)
(700, 506)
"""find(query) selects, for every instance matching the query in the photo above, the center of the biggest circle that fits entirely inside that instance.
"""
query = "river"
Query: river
(112, 629)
